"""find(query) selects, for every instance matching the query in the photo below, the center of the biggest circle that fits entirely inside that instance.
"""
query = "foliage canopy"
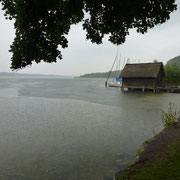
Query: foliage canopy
(172, 74)
(42, 25)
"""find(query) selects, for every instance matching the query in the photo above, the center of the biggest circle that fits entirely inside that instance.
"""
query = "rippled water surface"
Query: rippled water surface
(73, 129)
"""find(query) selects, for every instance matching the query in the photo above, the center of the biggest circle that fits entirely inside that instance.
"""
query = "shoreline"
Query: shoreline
(151, 150)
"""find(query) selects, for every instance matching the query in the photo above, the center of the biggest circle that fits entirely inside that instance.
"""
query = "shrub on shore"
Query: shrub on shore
(169, 117)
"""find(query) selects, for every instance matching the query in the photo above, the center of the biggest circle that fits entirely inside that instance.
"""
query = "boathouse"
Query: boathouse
(144, 76)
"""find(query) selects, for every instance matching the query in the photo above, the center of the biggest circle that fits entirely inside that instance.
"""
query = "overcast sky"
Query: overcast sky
(161, 43)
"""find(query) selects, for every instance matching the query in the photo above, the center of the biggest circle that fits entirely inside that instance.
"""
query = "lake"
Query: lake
(73, 129)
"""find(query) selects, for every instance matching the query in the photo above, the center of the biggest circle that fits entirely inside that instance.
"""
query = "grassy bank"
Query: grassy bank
(159, 157)
(164, 166)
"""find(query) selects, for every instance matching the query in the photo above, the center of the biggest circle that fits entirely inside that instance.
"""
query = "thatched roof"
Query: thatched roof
(146, 70)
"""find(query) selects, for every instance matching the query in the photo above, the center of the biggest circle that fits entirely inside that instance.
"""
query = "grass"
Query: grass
(138, 152)
(169, 117)
(165, 166)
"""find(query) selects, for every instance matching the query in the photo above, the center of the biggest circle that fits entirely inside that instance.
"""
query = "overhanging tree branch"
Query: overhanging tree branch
(42, 25)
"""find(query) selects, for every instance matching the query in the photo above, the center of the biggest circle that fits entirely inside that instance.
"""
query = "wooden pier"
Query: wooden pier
(173, 89)
(169, 89)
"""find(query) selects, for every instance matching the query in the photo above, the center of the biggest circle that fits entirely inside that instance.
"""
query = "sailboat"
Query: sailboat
(116, 82)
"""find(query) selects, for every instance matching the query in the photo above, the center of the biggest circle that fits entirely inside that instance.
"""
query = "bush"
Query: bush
(169, 117)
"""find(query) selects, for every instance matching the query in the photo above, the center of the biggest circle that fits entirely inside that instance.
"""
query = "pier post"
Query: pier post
(106, 84)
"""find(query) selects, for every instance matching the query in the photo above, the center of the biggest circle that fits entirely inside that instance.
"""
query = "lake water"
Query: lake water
(73, 129)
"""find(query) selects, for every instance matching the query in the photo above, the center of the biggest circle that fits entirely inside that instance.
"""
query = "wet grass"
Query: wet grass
(165, 166)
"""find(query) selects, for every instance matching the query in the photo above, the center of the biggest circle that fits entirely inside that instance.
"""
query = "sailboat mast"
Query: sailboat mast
(112, 68)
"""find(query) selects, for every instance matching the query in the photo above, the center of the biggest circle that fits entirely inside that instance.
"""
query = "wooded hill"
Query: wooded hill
(101, 74)
(172, 71)
(175, 60)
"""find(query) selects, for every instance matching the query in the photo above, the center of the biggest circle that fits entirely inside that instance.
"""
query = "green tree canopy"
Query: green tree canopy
(172, 74)
(42, 25)
(155, 61)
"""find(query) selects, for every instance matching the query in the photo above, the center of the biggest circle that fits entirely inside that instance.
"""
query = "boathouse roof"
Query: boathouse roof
(142, 70)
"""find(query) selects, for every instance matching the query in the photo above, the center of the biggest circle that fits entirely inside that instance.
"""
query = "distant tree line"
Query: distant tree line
(113, 74)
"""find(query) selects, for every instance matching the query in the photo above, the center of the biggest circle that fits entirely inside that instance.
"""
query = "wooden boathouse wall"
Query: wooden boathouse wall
(139, 82)
(142, 76)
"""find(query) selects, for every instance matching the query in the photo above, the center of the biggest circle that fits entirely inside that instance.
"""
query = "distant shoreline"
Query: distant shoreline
(101, 74)
(19, 75)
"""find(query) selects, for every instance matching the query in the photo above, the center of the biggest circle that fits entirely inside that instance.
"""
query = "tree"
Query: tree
(155, 61)
(42, 25)
(172, 74)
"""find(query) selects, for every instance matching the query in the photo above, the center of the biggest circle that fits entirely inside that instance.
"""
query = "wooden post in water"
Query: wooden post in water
(106, 84)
